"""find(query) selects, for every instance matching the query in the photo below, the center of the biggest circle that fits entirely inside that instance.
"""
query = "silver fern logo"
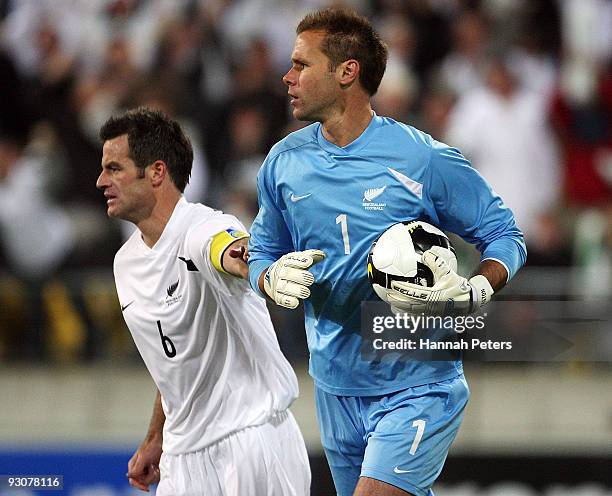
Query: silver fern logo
(173, 298)
(369, 195)
(172, 288)
(372, 193)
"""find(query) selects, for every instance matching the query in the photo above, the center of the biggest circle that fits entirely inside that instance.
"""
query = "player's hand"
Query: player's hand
(236, 257)
(143, 467)
(241, 252)
(286, 281)
(451, 293)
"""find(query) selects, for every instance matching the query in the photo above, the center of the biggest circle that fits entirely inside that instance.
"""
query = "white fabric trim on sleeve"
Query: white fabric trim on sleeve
(500, 262)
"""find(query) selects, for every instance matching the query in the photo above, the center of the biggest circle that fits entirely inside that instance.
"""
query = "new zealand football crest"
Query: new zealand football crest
(369, 195)
(171, 297)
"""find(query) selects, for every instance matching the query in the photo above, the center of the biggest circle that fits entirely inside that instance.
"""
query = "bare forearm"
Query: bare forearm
(143, 467)
(495, 273)
(235, 259)
(260, 283)
(158, 418)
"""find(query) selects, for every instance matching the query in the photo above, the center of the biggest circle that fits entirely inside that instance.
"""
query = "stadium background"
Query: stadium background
(523, 87)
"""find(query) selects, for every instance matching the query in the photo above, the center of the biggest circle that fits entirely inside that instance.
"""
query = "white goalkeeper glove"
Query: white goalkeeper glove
(451, 293)
(288, 278)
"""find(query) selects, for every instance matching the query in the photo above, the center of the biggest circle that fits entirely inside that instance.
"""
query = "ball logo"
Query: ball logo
(409, 292)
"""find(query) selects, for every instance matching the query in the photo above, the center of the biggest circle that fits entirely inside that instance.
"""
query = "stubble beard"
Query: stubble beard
(313, 114)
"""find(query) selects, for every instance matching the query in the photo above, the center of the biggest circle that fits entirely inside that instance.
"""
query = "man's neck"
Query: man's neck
(153, 226)
(344, 128)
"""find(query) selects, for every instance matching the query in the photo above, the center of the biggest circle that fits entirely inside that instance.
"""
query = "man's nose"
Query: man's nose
(102, 181)
(288, 78)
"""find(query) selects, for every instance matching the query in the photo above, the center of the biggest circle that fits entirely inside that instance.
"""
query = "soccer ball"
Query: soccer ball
(396, 255)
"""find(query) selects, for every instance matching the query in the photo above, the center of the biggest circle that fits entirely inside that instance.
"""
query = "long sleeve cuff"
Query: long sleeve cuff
(510, 252)
(255, 270)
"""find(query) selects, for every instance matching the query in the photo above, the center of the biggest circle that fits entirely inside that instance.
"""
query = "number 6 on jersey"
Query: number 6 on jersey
(167, 343)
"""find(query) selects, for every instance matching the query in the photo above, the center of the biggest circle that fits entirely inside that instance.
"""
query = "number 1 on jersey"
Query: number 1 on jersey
(343, 221)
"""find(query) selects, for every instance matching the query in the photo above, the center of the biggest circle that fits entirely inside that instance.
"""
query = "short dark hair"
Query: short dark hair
(350, 36)
(152, 136)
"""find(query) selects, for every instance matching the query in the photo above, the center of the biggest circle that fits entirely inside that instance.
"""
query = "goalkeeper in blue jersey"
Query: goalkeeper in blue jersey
(325, 193)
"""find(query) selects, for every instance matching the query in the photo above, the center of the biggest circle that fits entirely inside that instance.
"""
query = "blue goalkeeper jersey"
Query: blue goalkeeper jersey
(314, 194)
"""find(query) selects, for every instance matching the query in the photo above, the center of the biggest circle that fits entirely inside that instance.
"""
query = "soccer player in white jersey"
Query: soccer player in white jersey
(326, 192)
(221, 424)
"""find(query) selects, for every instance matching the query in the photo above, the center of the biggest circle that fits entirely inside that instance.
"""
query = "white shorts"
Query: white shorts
(264, 460)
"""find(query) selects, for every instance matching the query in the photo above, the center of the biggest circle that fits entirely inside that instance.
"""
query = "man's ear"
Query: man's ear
(157, 172)
(348, 72)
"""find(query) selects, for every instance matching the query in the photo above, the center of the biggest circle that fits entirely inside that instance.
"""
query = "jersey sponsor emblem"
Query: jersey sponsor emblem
(123, 307)
(191, 267)
(398, 470)
(298, 198)
(369, 195)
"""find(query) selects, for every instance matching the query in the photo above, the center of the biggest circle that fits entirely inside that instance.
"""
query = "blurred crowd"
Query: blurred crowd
(522, 87)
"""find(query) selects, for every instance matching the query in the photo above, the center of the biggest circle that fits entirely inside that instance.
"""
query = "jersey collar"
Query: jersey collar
(361, 141)
(167, 237)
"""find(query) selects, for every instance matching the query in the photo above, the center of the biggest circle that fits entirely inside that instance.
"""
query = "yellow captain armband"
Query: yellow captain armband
(220, 243)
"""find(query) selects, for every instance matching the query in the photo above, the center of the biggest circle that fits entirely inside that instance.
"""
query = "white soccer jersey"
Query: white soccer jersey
(205, 336)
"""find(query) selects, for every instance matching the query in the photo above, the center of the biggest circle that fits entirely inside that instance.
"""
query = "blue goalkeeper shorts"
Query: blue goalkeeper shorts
(401, 438)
